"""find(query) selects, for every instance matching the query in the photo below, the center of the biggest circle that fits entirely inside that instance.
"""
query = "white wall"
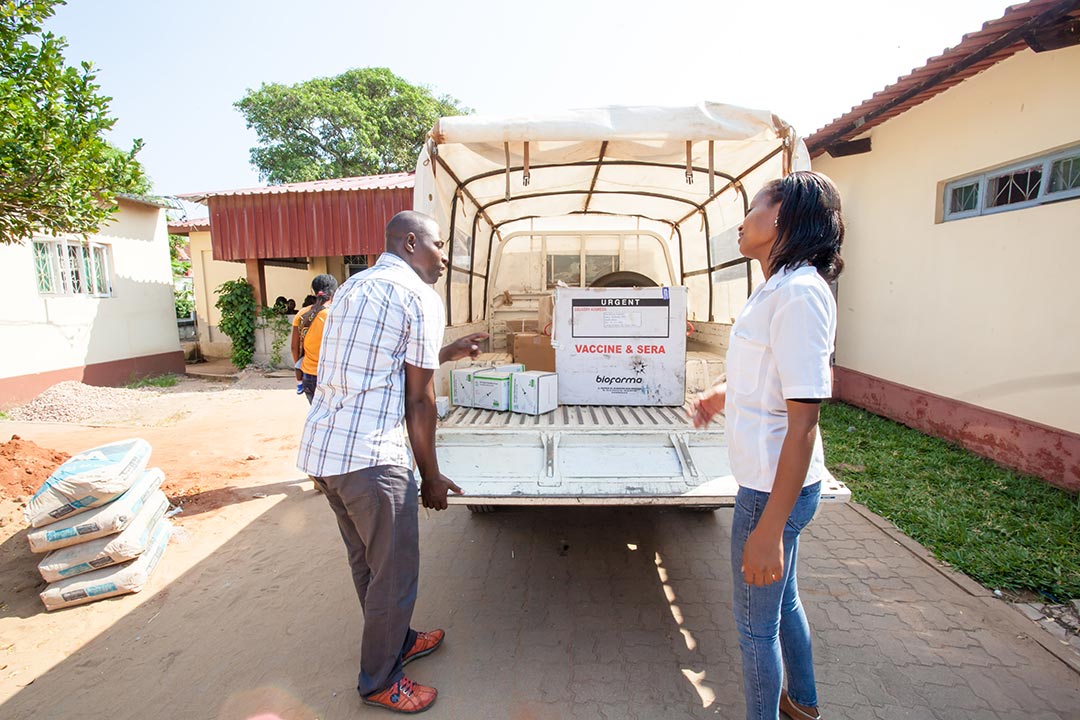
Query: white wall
(44, 333)
(982, 310)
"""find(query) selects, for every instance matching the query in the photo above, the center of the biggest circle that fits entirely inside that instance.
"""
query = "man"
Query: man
(381, 346)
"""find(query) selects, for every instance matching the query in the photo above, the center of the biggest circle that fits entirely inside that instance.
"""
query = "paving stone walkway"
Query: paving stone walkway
(627, 614)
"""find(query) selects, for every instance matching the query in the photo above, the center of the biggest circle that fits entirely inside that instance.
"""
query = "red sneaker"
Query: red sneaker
(425, 644)
(404, 696)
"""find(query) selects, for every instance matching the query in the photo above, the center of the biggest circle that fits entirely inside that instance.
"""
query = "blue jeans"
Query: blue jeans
(773, 633)
(310, 382)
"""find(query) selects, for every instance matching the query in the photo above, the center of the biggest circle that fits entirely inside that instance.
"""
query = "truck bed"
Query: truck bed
(589, 455)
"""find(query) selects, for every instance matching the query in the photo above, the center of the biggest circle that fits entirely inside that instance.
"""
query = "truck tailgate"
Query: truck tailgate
(589, 455)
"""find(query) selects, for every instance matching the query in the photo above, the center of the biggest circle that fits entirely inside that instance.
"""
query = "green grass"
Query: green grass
(1004, 529)
(3, 415)
(159, 381)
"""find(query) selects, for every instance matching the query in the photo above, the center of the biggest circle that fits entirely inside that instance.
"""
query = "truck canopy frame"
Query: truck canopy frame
(688, 170)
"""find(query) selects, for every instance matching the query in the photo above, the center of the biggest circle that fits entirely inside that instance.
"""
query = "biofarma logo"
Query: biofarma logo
(607, 380)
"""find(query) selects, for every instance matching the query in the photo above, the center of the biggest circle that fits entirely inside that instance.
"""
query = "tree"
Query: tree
(57, 172)
(365, 121)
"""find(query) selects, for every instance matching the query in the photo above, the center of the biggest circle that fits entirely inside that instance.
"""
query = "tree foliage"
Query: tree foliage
(57, 172)
(365, 121)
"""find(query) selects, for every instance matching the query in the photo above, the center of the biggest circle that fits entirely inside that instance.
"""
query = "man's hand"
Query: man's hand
(763, 558)
(468, 346)
(709, 404)
(433, 492)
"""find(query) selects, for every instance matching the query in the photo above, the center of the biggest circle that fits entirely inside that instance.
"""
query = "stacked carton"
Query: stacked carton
(101, 518)
(505, 387)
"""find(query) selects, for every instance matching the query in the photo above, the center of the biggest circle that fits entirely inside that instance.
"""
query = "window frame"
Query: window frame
(583, 258)
(76, 268)
(982, 181)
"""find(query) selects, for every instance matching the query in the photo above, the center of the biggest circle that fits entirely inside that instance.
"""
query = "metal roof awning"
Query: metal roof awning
(342, 216)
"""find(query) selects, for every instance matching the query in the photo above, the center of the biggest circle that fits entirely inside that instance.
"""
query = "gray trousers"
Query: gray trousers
(376, 511)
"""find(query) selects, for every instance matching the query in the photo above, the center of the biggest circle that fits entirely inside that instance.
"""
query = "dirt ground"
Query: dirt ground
(214, 452)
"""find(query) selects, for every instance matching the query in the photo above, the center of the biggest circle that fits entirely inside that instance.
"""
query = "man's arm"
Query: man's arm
(468, 346)
(420, 417)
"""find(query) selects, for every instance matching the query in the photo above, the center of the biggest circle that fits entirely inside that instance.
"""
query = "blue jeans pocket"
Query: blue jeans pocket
(805, 508)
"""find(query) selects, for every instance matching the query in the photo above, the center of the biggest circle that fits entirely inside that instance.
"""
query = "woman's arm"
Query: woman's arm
(295, 344)
(763, 554)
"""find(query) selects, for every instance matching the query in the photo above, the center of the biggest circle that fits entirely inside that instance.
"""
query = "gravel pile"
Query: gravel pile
(75, 402)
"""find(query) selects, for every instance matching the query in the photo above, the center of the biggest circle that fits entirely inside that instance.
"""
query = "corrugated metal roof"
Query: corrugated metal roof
(393, 181)
(997, 40)
(183, 227)
(303, 223)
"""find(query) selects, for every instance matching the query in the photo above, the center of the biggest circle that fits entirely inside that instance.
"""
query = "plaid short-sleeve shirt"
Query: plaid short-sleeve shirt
(380, 319)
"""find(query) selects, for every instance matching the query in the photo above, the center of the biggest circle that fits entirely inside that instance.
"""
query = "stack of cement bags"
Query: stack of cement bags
(101, 518)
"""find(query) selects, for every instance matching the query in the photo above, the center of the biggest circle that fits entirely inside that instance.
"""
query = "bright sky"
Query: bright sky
(175, 70)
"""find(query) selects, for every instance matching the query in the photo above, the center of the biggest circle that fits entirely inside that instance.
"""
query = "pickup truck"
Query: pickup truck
(607, 197)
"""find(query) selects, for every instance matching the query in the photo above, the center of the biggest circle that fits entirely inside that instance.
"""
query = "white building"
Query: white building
(99, 310)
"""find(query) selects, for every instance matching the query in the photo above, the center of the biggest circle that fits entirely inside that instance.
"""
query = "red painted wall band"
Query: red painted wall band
(23, 388)
(1050, 453)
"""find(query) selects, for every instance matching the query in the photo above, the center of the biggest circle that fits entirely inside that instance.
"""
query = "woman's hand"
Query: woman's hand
(709, 404)
(763, 558)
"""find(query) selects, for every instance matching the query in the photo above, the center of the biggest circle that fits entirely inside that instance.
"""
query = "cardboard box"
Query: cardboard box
(491, 390)
(544, 314)
(534, 352)
(523, 325)
(533, 392)
(621, 346)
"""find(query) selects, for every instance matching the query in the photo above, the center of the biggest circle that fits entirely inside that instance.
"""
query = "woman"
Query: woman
(307, 334)
(777, 374)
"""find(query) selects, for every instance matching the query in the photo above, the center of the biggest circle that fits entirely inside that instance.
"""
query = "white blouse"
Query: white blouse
(779, 350)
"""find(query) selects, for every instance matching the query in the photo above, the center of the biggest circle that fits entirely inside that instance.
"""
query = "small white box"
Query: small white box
(534, 392)
(461, 387)
(491, 390)
(514, 368)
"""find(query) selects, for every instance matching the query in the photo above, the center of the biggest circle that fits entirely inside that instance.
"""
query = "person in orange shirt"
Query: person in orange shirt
(307, 333)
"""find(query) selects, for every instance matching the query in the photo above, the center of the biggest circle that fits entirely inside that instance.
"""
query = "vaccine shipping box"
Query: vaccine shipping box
(491, 390)
(621, 346)
(462, 392)
(533, 392)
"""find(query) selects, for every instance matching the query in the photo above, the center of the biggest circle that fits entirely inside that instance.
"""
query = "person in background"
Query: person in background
(307, 334)
(381, 346)
(778, 372)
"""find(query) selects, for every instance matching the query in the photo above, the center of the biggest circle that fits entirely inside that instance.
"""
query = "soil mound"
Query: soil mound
(24, 466)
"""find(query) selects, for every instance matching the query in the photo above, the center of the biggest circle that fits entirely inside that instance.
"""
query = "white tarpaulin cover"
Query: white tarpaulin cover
(630, 162)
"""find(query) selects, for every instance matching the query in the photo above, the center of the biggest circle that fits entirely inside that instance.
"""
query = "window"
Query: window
(72, 267)
(355, 264)
(463, 247)
(567, 268)
(1052, 177)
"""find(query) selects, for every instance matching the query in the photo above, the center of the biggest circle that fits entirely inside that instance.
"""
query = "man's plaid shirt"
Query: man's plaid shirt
(380, 319)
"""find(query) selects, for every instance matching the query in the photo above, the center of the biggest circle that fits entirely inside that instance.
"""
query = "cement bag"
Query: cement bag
(126, 545)
(98, 522)
(107, 582)
(89, 479)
